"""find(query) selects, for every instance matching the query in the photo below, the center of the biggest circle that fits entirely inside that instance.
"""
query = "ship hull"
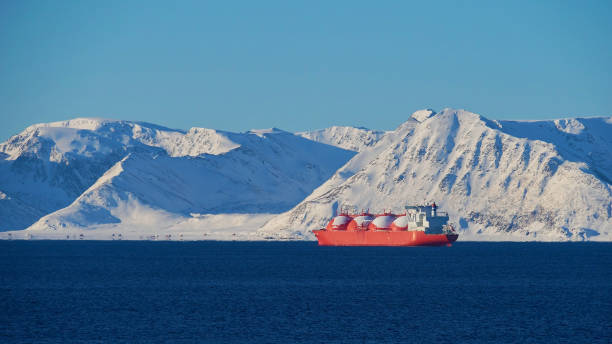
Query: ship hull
(382, 238)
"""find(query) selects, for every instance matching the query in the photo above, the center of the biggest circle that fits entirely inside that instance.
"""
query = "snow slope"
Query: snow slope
(499, 180)
(269, 173)
(350, 138)
(48, 166)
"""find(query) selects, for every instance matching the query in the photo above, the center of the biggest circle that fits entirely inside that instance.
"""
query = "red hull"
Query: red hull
(382, 238)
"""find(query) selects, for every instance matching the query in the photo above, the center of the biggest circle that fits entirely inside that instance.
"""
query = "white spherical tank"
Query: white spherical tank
(360, 222)
(338, 223)
(400, 223)
(382, 222)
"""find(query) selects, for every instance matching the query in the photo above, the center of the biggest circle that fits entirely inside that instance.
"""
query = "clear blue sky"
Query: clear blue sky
(299, 65)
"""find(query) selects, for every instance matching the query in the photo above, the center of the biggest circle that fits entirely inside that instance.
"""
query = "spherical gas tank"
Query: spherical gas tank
(338, 223)
(400, 223)
(382, 222)
(360, 222)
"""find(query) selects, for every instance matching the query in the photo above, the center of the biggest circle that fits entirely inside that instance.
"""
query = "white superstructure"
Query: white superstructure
(427, 218)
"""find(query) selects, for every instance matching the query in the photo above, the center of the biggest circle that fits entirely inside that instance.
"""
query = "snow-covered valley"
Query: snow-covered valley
(499, 180)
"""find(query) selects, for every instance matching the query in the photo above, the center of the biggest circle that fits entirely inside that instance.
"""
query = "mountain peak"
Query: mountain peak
(96, 123)
(350, 138)
(86, 123)
(268, 131)
(422, 115)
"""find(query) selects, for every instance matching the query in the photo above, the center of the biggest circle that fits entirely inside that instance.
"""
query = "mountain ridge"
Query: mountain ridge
(500, 180)
(50, 165)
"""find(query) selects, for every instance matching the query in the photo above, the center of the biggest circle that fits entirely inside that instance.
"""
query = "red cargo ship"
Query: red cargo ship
(418, 226)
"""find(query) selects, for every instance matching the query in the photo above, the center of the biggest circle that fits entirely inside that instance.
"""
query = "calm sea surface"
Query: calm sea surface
(224, 292)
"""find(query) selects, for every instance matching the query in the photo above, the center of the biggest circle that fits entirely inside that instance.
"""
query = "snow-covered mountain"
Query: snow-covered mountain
(499, 180)
(87, 172)
(351, 138)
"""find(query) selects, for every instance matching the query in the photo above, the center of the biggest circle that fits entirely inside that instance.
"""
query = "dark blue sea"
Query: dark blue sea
(297, 292)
